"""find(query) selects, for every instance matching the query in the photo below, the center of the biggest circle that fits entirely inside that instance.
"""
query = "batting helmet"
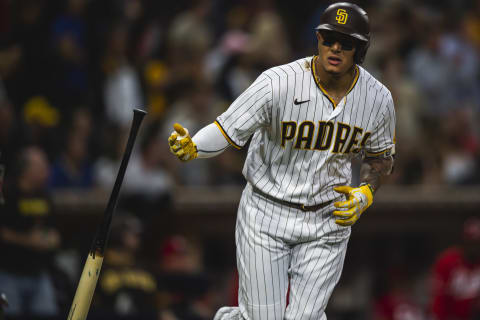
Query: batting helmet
(349, 19)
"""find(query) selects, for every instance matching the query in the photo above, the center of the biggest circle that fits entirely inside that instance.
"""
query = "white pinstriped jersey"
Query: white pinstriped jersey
(302, 145)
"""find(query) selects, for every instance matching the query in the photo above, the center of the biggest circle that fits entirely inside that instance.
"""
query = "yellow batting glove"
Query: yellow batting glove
(181, 144)
(350, 210)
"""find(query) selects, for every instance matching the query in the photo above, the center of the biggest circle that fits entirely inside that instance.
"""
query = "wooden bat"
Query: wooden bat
(91, 270)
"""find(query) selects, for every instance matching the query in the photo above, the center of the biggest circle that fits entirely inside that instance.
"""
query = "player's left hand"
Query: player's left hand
(181, 144)
(350, 210)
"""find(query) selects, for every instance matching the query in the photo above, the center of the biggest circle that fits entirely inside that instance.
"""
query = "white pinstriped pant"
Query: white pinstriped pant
(275, 242)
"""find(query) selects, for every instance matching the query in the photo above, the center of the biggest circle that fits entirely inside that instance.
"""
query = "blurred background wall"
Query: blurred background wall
(71, 71)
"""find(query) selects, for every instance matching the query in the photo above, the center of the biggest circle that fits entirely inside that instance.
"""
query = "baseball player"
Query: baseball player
(306, 120)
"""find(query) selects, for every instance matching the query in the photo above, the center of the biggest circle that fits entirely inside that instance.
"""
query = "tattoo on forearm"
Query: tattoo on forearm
(374, 171)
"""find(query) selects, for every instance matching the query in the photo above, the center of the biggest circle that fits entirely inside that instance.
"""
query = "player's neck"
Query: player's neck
(335, 83)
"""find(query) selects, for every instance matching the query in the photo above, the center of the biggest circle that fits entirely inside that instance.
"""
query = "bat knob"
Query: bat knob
(139, 111)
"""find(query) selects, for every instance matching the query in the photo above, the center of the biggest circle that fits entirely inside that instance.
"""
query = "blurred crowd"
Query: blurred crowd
(71, 72)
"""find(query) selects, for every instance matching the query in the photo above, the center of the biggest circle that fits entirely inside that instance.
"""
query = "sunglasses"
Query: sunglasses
(330, 38)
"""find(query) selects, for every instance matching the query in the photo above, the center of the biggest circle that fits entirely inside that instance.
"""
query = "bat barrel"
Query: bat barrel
(86, 287)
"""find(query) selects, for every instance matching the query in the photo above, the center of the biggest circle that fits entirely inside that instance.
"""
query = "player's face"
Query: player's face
(336, 51)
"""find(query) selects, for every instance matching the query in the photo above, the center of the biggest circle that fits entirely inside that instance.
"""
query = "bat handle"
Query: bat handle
(138, 114)
(103, 231)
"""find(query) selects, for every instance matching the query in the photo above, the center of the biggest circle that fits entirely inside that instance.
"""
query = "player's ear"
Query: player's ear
(319, 36)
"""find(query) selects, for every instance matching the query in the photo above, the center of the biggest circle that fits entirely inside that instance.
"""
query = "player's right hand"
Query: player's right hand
(181, 144)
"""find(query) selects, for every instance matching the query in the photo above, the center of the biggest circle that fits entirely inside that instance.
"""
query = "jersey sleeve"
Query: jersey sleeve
(250, 111)
(382, 139)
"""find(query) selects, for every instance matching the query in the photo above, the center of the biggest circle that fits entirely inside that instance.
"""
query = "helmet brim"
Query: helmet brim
(329, 27)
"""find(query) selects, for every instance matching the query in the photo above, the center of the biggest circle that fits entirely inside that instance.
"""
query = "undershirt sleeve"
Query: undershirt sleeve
(210, 141)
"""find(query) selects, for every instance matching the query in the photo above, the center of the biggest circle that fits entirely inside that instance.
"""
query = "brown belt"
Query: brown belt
(291, 204)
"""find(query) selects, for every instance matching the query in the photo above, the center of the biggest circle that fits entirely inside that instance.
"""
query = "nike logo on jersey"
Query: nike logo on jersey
(296, 102)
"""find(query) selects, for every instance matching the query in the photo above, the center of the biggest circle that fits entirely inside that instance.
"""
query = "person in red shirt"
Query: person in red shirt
(397, 301)
(456, 278)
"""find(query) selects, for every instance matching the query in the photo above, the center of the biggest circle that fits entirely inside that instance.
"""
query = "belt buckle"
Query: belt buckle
(302, 207)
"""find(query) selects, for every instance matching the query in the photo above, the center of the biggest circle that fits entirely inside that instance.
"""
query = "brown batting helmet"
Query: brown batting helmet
(349, 19)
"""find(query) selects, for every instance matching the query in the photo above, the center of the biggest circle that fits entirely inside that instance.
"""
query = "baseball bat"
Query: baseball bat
(91, 270)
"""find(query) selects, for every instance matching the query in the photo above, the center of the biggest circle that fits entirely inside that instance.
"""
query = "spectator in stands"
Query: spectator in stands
(398, 302)
(126, 288)
(7, 122)
(179, 255)
(28, 239)
(456, 278)
(198, 106)
(30, 59)
(182, 282)
(148, 184)
(411, 167)
(471, 24)
(122, 89)
(156, 78)
(455, 47)
(460, 146)
(68, 38)
(188, 39)
(267, 27)
(431, 71)
(190, 32)
(7, 125)
(40, 124)
(106, 166)
(73, 169)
